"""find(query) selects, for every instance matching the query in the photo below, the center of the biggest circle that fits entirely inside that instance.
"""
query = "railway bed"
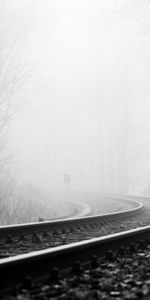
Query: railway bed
(15, 240)
(112, 267)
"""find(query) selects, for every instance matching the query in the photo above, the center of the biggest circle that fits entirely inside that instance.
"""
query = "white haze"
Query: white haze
(87, 112)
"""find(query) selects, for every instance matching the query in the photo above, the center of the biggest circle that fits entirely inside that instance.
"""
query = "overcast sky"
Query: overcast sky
(90, 78)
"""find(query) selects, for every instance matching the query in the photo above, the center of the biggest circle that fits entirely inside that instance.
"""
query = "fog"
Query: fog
(85, 109)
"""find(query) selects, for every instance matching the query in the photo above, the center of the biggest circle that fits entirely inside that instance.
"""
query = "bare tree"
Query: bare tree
(15, 65)
(12, 64)
(15, 72)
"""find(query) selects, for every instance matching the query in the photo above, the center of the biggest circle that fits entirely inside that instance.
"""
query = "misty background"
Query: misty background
(83, 106)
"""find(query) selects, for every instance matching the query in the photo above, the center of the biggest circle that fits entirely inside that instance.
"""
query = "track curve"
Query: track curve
(15, 240)
(85, 209)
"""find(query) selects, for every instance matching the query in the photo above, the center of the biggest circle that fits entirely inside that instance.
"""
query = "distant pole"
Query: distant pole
(67, 179)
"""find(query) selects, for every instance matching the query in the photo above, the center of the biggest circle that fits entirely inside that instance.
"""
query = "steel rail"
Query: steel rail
(38, 264)
(26, 238)
(29, 228)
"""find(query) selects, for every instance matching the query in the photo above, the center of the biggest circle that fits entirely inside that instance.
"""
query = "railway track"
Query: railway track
(18, 239)
(36, 275)
(114, 266)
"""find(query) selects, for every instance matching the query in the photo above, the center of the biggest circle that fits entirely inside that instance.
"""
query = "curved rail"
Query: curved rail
(50, 225)
(86, 209)
(25, 238)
